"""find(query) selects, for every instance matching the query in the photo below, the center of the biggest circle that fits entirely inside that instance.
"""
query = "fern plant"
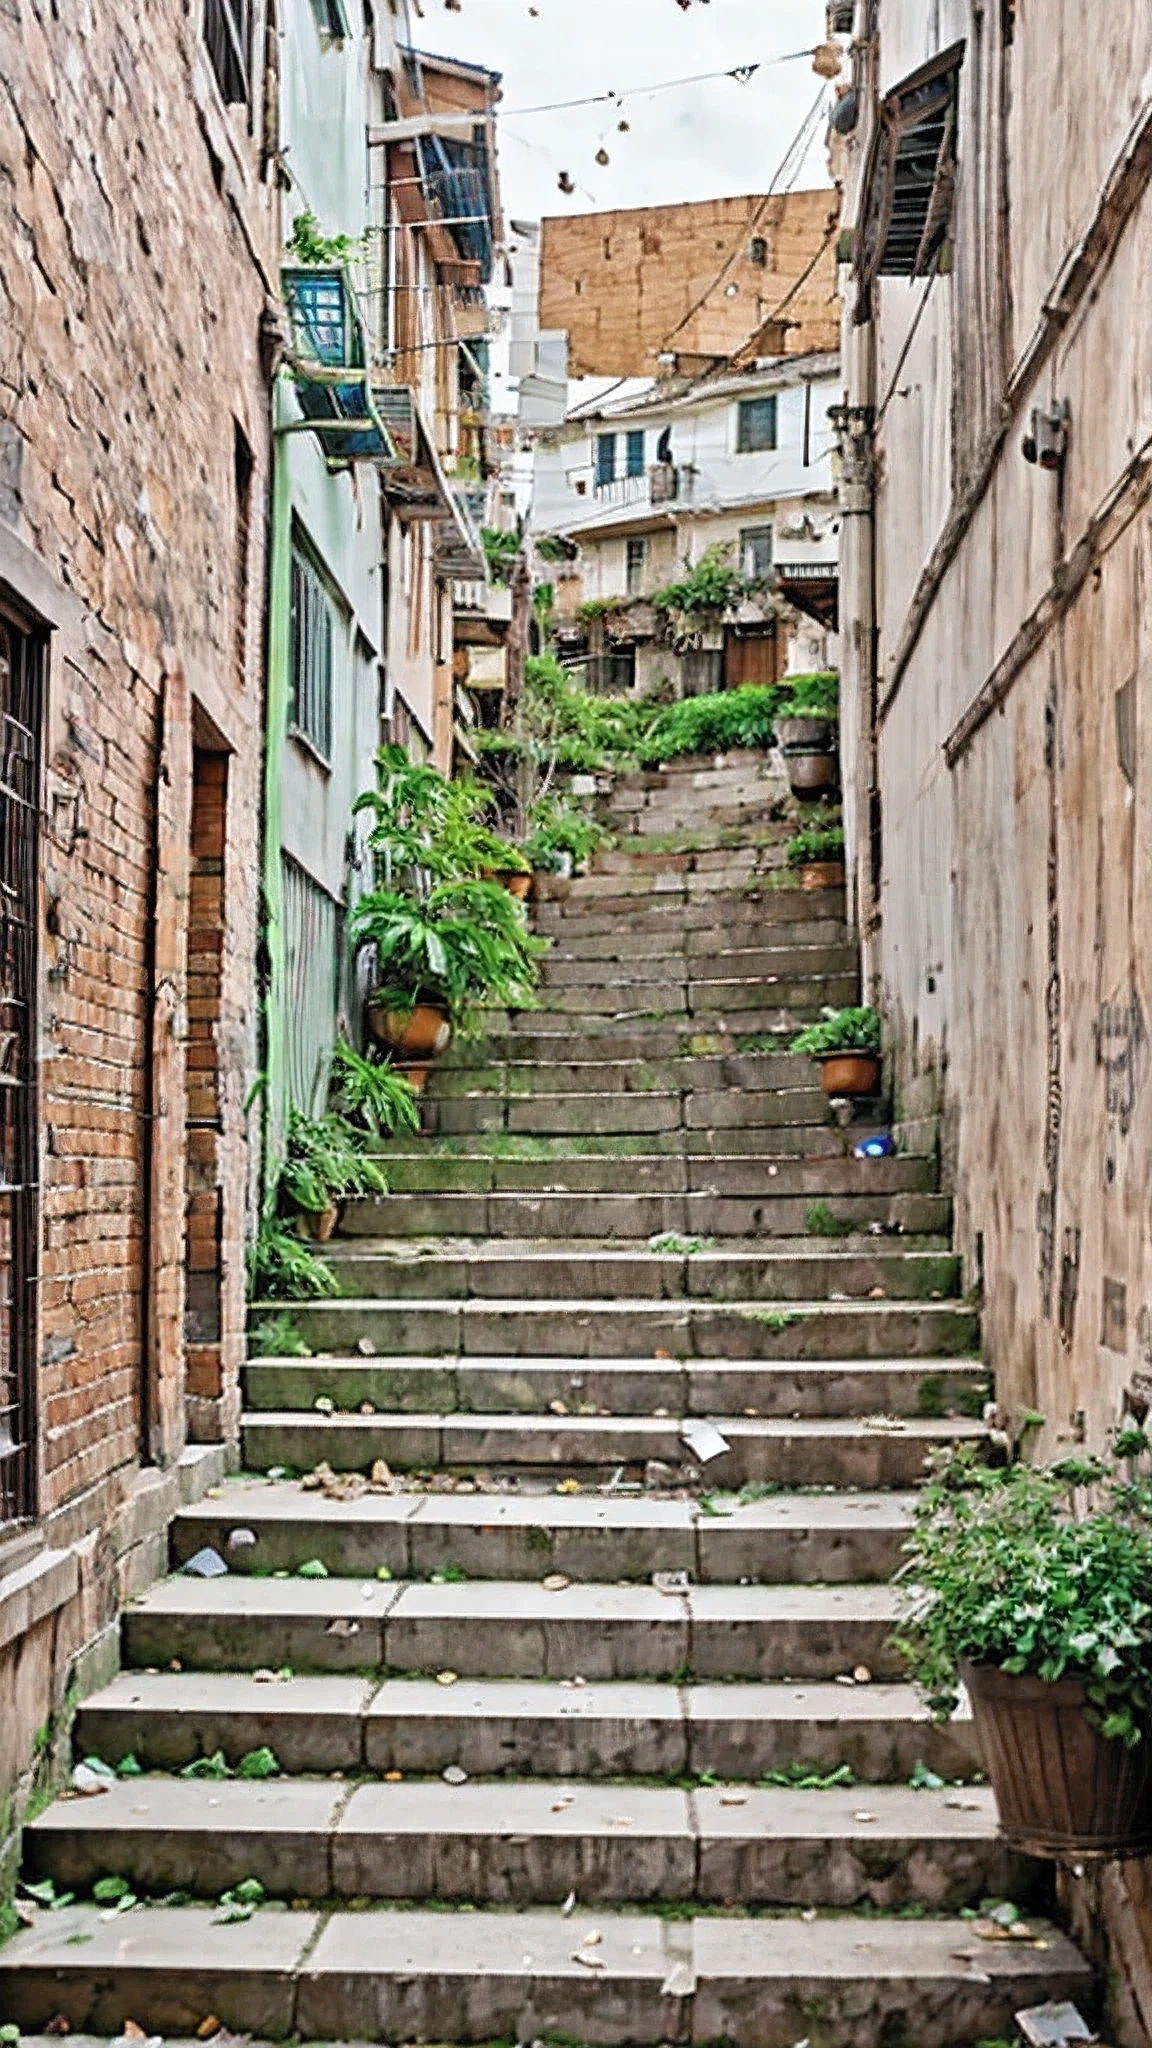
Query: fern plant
(466, 945)
(371, 1094)
(281, 1267)
(324, 1163)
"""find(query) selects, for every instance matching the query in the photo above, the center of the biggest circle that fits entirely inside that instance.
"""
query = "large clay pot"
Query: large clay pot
(808, 734)
(320, 1223)
(812, 774)
(822, 874)
(422, 1032)
(850, 1073)
(516, 883)
(1063, 1789)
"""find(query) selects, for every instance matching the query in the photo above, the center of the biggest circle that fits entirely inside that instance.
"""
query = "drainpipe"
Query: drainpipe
(275, 733)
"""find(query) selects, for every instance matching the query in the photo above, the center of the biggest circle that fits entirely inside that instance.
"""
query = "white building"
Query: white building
(644, 478)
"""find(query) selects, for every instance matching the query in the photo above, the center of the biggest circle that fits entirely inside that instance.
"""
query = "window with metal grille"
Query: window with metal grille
(756, 552)
(755, 425)
(605, 458)
(312, 940)
(228, 35)
(313, 633)
(636, 564)
(21, 719)
(636, 453)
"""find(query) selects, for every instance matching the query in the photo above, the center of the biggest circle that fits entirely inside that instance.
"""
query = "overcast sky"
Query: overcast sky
(702, 142)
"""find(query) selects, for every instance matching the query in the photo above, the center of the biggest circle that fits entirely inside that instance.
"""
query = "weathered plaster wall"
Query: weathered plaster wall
(136, 259)
(1011, 956)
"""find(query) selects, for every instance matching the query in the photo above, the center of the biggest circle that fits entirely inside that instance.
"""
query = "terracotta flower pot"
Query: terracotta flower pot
(812, 774)
(822, 874)
(423, 1031)
(416, 1077)
(320, 1223)
(516, 883)
(1063, 1789)
(850, 1073)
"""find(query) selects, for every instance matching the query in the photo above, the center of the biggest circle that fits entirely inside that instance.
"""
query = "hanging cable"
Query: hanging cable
(740, 72)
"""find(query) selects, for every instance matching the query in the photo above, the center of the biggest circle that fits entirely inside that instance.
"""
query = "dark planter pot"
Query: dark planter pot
(850, 1073)
(812, 774)
(421, 1032)
(1063, 1789)
(809, 734)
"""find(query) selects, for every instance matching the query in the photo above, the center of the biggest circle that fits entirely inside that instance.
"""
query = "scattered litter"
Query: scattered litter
(557, 1408)
(963, 1805)
(568, 1486)
(592, 1939)
(844, 1678)
(258, 1763)
(59, 2025)
(733, 1799)
(569, 1684)
(324, 1404)
(672, 1582)
(556, 1583)
(1053, 2025)
(703, 1439)
(383, 1574)
(569, 1906)
(808, 1915)
(660, 1353)
(208, 2027)
(623, 1820)
(924, 1780)
(313, 1568)
(680, 1982)
(89, 1781)
(657, 1473)
(367, 1407)
(206, 1564)
(454, 1775)
(877, 1294)
(393, 1777)
(880, 1147)
(862, 1816)
(891, 1423)
(342, 1626)
(277, 1472)
(381, 1473)
(447, 1678)
(562, 1805)
(861, 1675)
(366, 1347)
(131, 2032)
(590, 1962)
(241, 1539)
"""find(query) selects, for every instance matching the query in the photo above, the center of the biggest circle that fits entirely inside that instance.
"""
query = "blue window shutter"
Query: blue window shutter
(636, 453)
(605, 458)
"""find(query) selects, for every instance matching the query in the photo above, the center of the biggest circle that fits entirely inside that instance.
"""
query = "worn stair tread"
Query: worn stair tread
(647, 1429)
(325, 1977)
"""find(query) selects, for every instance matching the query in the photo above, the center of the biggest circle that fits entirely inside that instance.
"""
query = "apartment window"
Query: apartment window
(636, 562)
(332, 19)
(636, 453)
(313, 633)
(755, 425)
(228, 36)
(605, 458)
(756, 553)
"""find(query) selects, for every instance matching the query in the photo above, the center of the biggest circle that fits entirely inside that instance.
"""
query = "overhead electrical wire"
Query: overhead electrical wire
(741, 72)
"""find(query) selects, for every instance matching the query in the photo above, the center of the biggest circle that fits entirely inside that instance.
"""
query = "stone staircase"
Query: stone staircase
(583, 1733)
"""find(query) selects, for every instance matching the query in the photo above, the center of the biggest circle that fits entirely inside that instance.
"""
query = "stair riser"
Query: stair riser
(614, 1115)
(466, 1445)
(531, 1389)
(480, 1331)
(794, 942)
(568, 1216)
(466, 2006)
(574, 1276)
(500, 1870)
(755, 1073)
(756, 910)
(716, 1554)
(792, 1141)
(831, 1179)
(745, 1006)
(800, 967)
(520, 1745)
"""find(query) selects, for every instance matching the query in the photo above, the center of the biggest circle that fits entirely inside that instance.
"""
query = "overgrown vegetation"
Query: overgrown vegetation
(1044, 1572)
(324, 1163)
(813, 696)
(714, 586)
(816, 843)
(281, 1267)
(716, 724)
(500, 552)
(310, 247)
(372, 1095)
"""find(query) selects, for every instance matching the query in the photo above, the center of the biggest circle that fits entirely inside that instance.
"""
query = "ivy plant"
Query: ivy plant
(1044, 1572)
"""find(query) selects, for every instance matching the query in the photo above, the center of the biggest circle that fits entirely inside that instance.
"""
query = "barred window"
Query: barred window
(313, 629)
(228, 35)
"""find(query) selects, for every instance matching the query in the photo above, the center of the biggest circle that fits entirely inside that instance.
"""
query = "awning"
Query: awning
(910, 180)
(814, 589)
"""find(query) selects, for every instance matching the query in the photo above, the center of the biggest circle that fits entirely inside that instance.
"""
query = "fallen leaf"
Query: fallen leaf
(393, 1777)
(208, 2027)
(862, 1675)
(454, 1775)
(446, 1678)
(557, 1408)
(590, 1962)
(863, 1816)
(556, 1583)
(680, 1982)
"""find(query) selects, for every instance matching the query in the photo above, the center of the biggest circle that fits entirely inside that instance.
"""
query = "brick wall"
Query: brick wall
(138, 240)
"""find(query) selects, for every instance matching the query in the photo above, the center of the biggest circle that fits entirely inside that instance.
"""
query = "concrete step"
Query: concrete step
(524, 1728)
(755, 1073)
(620, 1386)
(787, 1141)
(793, 942)
(534, 1037)
(483, 1977)
(805, 1452)
(841, 1180)
(676, 1269)
(574, 1214)
(756, 907)
(734, 1006)
(823, 1538)
(758, 964)
(614, 1329)
(510, 1629)
(516, 1843)
(616, 1113)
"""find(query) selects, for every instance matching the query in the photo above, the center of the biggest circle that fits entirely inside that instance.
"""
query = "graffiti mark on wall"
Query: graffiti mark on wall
(1120, 1041)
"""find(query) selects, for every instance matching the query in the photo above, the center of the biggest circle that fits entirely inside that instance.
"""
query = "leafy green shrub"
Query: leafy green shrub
(500, 552)
(277, 1337)
(281, 1267)
(713, 586)
(467, 944)
(813, 696)
(324, 1163)
(427, 828)
(375, 1096)
(1046, 1573)
(716, 724)
(840, 1031)
(559, 827)
(816, 843)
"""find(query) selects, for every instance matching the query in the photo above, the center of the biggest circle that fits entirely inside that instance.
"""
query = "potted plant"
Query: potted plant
(1033, 1588)
(374, 1097)
(439, 957)
(324, 1163)
(808, 717)
(561, 838)
(847, 1045)
(817, 852)
(514, 871)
